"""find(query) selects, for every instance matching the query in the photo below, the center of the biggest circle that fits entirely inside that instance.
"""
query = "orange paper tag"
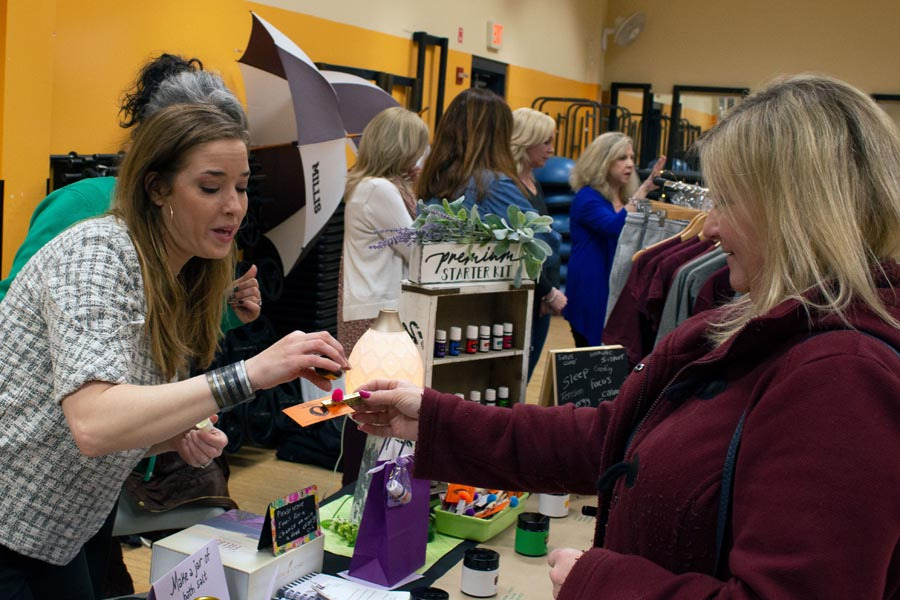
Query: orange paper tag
(308, 413)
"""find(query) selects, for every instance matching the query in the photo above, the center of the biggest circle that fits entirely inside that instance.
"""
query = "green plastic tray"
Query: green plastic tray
(479, 530)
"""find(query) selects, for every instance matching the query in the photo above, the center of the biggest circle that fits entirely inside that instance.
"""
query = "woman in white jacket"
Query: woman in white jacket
(379, 197)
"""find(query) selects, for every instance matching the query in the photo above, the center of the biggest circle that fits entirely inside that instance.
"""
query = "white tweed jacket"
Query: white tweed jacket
(74, 314)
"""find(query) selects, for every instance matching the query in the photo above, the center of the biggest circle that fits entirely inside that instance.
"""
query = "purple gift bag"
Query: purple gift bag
(394, 527)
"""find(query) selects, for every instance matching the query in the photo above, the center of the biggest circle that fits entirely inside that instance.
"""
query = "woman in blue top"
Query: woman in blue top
(607, 184)
(471, 156)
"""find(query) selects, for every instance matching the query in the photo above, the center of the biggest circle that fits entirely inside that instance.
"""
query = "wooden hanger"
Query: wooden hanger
(675, 211)
(692, 226)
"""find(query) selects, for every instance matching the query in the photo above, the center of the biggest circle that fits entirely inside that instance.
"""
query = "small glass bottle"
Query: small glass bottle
(440, 343)
(490, 397)
(497, 337)
(484, 338)
(455, 338)
(503, 396)
(475, 396)
(507, 336)
(471, 339)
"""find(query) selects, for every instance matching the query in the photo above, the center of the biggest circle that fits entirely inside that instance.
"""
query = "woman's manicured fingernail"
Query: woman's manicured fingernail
(365, 393)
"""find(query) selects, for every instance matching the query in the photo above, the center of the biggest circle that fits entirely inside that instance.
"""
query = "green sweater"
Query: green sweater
(64, 207)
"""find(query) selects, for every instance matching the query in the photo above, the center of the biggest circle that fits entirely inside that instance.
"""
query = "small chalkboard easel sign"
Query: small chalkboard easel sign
(584, 376)
(291, 521)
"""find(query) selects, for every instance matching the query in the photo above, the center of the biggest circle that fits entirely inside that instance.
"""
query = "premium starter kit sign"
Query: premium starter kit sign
(458, 263)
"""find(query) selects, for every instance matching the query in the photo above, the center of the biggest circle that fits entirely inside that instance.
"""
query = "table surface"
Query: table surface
(520, 577)
(528, 577)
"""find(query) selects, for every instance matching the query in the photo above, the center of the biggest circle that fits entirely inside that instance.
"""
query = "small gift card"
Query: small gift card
(291, 521)
(322, 409)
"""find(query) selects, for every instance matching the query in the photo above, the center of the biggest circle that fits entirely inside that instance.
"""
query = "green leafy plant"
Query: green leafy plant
(452, 222)
(344, 529)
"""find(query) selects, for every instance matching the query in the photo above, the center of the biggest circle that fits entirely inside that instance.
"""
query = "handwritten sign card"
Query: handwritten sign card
(584, 376)
(199, 575)
(291, 521)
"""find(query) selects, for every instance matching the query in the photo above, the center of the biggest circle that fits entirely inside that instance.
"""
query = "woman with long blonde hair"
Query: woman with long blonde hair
(606, 186)
(753, 453)
(533, 136)
(378, 198)
(98, 333)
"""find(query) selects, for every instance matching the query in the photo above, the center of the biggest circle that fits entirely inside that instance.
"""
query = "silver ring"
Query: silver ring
(204, 465)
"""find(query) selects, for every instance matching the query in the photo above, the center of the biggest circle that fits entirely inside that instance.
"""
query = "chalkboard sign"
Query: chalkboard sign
(291, 521)
(584, 376)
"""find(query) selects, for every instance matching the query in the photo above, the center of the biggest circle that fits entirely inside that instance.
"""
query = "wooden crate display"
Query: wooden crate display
(426, 308)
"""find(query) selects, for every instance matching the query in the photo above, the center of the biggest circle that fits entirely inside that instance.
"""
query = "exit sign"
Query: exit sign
(494, 35)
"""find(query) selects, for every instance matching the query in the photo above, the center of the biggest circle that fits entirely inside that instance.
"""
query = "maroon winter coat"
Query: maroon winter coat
(816, 500)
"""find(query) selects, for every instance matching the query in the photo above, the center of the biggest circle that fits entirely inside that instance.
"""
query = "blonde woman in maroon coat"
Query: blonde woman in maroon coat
(807, 208)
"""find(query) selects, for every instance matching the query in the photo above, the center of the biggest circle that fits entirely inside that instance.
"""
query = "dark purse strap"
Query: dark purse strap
(724, 516)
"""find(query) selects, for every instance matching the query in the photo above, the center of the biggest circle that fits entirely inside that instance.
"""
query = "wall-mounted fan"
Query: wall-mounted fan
(625, 31)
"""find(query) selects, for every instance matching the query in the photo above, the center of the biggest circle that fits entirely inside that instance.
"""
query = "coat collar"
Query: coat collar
(781, 325)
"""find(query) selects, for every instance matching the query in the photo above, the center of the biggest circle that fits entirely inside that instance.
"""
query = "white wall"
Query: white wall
(560, 37)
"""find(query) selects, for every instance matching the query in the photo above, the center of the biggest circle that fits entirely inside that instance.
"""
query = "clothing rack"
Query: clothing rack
(663, 210)
(684, 194)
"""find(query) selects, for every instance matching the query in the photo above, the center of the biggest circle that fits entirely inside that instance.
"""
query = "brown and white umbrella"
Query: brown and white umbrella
(295, 121)
(359, 100)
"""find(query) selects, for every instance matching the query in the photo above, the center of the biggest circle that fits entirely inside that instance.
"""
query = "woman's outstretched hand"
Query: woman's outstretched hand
(648, 184)
(297, 355)
(390, 409)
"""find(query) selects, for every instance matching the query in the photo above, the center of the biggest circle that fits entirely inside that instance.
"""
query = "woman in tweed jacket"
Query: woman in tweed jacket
(97, 333)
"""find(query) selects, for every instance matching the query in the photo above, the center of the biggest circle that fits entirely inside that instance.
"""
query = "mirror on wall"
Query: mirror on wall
(693, 110)
(636, 101)
(891, 105)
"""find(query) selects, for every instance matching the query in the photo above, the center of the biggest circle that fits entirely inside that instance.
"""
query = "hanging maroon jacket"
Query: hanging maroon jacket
(816, 500)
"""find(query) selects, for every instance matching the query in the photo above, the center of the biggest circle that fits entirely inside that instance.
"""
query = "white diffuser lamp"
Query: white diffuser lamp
(385, 351)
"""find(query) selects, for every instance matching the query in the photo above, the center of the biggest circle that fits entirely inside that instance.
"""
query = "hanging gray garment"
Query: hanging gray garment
(640, 231)
(684, 289)
(630, 240)
(657, 233)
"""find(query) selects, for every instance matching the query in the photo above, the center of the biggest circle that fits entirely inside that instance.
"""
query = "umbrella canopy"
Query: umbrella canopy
(359, 100)
(294, 111)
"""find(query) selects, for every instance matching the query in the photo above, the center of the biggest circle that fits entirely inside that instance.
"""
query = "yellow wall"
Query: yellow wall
(526, 84)
(744, 44)
(2, 71)
(27, 100)
(67, 63)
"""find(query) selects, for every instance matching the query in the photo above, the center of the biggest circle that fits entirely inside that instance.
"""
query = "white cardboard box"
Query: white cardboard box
(248, 571)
